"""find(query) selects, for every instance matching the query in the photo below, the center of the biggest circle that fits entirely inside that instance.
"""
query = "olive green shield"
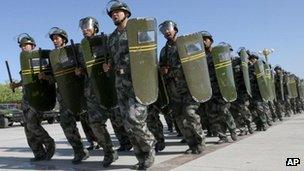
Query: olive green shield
(245, 71)
(301, 89)
(261, 79)
(71, 86)
(293, 86)
(142, 41)
(268, 81)
(286, 82)
(224, 72)
(41, 94)
(95, 54)
(195, 67)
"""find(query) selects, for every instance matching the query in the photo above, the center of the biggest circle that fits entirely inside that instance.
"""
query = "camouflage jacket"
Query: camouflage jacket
(120, 57)
(255, 91)
(277, 82)
(175, 80)
(239, 78)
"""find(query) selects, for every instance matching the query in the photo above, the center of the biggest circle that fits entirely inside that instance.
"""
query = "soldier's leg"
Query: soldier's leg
(272, 111)
(119, 130)
(69, 126)
(261, 123)
(202, 111)
(34, 126)
(91, 138)
(156, 127)
(224, 109)
(189, 123)
(267, 112)
(35, 145)
(167, 112)
(278, 109)
(135, 115)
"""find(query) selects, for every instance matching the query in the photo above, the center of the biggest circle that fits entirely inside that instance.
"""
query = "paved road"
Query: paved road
(260, 151)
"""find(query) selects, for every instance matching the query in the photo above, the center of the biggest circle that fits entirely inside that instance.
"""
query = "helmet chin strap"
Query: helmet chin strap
(119, 22)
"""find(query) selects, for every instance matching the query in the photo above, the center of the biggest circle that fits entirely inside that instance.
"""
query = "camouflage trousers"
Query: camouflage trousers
(154, 124)
(273, 112)
(258, 113)
(97, 117)
(293, 105)
(37, 137)
(90, 136)
(287, 106)
(204, 116)
(134, 117)
(241, 113)
(279, 108)
(188, 121)
(220, 117)
(69, 126)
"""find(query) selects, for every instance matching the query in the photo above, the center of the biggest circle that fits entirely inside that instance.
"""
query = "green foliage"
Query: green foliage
(7, 95)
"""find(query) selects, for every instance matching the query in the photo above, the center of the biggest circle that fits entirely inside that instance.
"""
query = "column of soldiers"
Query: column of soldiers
(195, 85)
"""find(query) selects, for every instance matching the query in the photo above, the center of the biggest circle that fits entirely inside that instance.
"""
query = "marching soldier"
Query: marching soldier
(134, 114)
(67, 116)
(42, 145)
(183, 105)
(217, 109)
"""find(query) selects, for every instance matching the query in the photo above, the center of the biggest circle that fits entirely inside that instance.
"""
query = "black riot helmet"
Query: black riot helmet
(58, 31)
(24, 38)
(167, 25)
(277, 68)
(206, 34)
(252, 55)
(226, 44)
(117, 5)
(89, 23)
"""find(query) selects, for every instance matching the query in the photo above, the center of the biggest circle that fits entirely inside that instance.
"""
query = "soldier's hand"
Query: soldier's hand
(164, 70)
(14, 85)
(105, 67)
(42, 76)
(78, 71)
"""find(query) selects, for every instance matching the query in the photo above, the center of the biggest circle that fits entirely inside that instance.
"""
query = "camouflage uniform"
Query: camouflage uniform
(279, 101)
(257, 106)
(183, 106)
(42, 145)
(69, 126)
(220, 117)
(133, 113)
(239, 108)
(287, 105)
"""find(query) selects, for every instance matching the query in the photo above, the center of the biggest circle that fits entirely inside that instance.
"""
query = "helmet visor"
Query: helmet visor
(114, 5)
(86, 23)
(167, 26)
(54, 30)
(23, 36)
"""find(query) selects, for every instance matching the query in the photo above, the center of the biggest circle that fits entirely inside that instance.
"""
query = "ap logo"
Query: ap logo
(292, 161)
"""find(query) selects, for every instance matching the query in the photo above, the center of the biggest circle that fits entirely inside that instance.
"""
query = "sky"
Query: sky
(258, 24)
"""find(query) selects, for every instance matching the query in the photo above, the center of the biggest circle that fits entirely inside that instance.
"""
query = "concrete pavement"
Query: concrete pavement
(261, 151)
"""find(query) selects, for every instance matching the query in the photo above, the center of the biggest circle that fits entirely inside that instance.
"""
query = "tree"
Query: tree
(7, 95)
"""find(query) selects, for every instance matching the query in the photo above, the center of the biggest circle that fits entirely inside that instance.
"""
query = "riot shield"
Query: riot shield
(293, 86)
(142, 40)
(41, 94)
(286, 82)
(195, 67)
(262, 81)
(245, 71)
(224, 72)
(301, 89)
(95, 54)
(71, 86)
(268, 81)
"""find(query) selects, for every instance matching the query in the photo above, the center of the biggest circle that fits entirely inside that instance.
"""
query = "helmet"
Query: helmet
(89, 22)
(226, 44)
(207, 35)
(166, 25)
(24, 38)
(117, 5)
(58, 31)
(277, 68)
(252, 55)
